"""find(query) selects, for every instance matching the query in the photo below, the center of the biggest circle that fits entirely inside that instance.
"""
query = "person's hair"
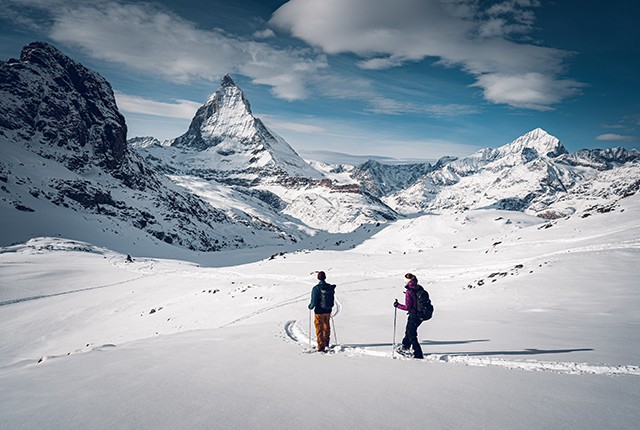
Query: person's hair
(410, 276)
(322, 276)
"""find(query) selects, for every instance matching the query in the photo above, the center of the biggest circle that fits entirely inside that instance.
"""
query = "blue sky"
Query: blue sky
(345, 80)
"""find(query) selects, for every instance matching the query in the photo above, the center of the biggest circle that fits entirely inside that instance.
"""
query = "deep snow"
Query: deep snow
(536, 326)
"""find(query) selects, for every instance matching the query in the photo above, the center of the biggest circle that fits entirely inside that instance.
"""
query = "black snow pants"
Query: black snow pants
(411, 336)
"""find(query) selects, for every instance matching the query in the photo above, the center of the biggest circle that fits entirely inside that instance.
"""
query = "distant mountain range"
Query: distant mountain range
(534, 174)
(230, 182)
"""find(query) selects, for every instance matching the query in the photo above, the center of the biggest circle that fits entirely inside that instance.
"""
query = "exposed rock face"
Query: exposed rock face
(66, 111)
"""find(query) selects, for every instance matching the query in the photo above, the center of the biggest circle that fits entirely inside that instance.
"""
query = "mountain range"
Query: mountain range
(230, 182)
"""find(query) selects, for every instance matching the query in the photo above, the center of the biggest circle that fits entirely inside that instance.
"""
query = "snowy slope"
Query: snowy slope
(535, 326)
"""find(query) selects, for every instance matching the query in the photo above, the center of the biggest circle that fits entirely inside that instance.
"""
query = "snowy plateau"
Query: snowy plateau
(530, 255)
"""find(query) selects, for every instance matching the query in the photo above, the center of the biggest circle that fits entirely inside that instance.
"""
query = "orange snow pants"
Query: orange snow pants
(323, 330)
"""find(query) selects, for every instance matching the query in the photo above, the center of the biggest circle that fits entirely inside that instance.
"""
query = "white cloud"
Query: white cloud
(612, 137)
(183, 109)
(389, 33)
(530, 90)
(148, 38)
(264, 34)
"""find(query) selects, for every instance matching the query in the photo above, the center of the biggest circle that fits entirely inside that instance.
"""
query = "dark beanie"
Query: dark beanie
(322, 276)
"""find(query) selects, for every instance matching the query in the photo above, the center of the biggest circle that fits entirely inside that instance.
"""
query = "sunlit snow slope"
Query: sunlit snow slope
(536, 325)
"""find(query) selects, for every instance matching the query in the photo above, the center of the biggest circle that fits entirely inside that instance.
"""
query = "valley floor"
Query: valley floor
(536, 326)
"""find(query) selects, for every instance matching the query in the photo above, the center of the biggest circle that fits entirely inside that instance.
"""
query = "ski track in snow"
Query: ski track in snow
(296, 334)
(62, 293)
(296, 299)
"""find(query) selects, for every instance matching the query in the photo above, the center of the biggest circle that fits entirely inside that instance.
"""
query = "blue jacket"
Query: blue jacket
(315, 298)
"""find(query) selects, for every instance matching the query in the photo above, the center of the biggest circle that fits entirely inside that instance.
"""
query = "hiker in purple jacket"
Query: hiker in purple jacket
(413, 321)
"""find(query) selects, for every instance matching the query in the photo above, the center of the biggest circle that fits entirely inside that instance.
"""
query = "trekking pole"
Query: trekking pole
(335, 334)
(309, 328)
(395, 314)
(333, 323)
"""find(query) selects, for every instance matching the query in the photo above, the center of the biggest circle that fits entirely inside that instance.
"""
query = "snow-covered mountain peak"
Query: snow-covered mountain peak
(234, 141)
(229, 101)
(525, 149)
(539, 140)
(225, 115)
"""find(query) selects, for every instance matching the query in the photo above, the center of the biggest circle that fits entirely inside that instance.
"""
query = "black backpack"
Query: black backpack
(423, 305)
(327, 292)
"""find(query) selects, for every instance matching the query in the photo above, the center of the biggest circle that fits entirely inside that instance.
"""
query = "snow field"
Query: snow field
(538, 330)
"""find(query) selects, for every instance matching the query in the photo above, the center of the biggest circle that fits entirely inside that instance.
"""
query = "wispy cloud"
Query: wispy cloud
(613, 137)
(332, 157)
(508, 18)
(146, 37)
(299, 127)
(389, 33)
(182, 109)
(389, 106)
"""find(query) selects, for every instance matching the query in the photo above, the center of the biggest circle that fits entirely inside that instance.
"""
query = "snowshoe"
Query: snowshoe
(404, 352)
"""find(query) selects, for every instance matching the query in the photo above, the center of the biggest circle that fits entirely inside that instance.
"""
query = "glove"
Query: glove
(395, 304)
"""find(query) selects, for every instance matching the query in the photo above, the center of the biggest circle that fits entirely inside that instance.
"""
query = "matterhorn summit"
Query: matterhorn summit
(237, 144)
(225, 115)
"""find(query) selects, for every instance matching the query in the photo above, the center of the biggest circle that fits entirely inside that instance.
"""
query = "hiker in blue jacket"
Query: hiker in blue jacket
(413, 321)
(322, 297)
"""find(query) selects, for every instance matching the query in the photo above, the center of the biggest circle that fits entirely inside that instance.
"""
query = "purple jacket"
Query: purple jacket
(410, 298)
